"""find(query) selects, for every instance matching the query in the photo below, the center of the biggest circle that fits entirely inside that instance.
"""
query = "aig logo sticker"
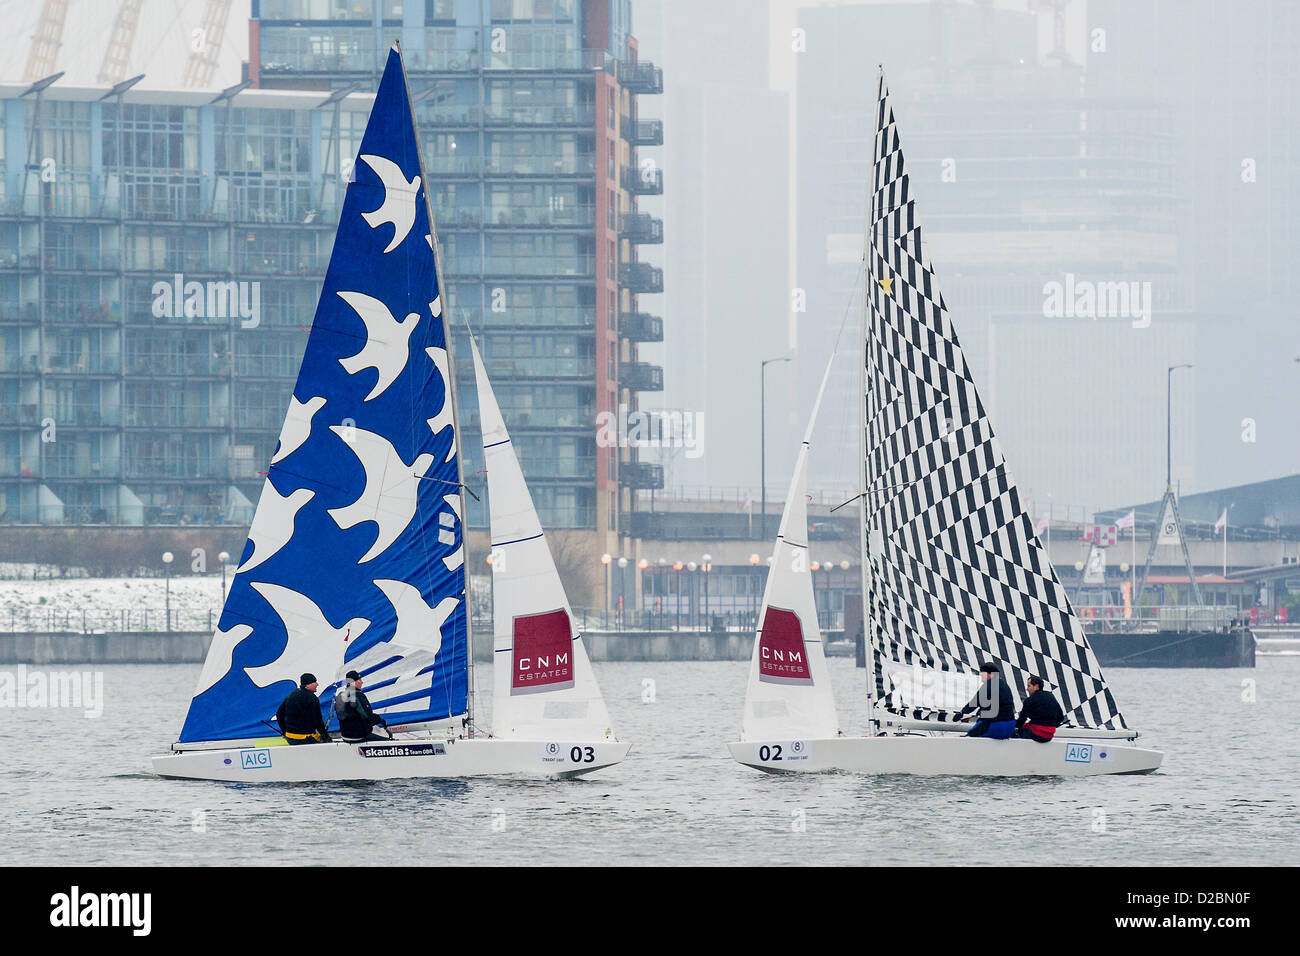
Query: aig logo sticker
(254, 759)
(1078, 753)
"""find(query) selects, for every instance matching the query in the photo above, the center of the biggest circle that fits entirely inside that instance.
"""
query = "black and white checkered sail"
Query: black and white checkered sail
(956, 574)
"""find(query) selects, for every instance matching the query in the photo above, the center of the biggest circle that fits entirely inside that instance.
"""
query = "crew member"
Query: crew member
(996, 706)
(357, 719)
(1040, 715)
(299, 715)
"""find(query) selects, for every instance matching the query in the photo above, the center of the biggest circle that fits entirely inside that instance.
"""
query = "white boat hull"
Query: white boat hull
(389, 760)
(948, 754)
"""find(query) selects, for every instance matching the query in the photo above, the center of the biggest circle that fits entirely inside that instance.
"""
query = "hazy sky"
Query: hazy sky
(754, 210)
(162, 41)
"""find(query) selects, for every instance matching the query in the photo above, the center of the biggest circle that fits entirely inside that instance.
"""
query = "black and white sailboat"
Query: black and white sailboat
(954, 575)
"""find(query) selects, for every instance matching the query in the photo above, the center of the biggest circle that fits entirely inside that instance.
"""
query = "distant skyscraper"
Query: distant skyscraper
(1054, 218)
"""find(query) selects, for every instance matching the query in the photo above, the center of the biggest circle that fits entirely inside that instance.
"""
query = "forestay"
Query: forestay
(355, 555)
(955, 573)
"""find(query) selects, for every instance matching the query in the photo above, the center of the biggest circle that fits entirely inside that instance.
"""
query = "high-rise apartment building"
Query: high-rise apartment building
(528, 118)
(161, 254)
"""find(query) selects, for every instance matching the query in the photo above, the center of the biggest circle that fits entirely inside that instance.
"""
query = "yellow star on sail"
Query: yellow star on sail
(887, 284)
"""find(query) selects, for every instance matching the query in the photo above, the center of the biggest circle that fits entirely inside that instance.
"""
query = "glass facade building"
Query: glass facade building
(161, 254)
(528, 118)
(160, 259)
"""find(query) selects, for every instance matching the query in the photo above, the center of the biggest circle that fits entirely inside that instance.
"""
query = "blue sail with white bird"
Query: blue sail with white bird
(355, 556)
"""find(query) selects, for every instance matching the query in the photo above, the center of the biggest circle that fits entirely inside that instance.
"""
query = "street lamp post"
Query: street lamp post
(690, 585)
(753, 592)
(762, 440)
(605, 559)
(706, 566)
(167, 565)
(1169, 424)
(223, 557)
(677, 567)
(622, 588)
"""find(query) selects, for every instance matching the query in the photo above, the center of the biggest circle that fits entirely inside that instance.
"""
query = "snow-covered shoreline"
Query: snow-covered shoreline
(110, 604)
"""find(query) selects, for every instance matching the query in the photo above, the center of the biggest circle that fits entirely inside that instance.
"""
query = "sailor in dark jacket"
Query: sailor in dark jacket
(996, 706)
(357, 719)
(299, 715)
(1040, 715)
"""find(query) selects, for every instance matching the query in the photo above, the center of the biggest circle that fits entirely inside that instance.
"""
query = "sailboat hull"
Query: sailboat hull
(391, 760)
(948, 755)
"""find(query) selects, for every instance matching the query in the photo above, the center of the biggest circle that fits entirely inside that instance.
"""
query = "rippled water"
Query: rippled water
(77, 790)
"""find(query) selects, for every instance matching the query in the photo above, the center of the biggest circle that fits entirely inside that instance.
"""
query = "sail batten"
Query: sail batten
(957, 575)
(355, 556)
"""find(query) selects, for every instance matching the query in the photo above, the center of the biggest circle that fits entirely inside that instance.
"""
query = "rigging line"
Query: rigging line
(458, 484)
(909, 484)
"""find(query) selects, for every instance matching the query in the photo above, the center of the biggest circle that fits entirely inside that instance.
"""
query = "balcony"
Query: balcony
(641, 228)
(184, 466)
(63, 363)
(173, 416)
(80, 467)
(504, 115)
(18, 414)
(641, 78)
(643, 132)
(579, 265)
(640, 278)
(641, 327)
(26, 313)
(25, 364)
(176, 365)
(641, 475)
(542, 215)
(86, 414)
(648, 181)
(642, 524)
(641, 377)
(544, 367)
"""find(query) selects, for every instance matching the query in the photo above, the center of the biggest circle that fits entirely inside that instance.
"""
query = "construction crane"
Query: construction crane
(118, 54)
(203, 58)
(44, 55)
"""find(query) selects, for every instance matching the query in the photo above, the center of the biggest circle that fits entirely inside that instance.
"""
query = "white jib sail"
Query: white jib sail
(543, 684)
(789, 693)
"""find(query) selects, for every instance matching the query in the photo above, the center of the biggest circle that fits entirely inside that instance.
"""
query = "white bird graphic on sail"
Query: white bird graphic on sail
(398, 206)
(443, 419)
(446, 532)
(312, 644)
(391, 492)
(222, 649)
(273, 523)
(419, 626)
(387, 341)
(297, 426)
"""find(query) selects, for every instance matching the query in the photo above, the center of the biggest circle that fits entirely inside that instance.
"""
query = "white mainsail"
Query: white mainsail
(543, 684)
(789, 692)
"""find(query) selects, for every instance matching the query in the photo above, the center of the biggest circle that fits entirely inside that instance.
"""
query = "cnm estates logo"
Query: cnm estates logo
(76, 909)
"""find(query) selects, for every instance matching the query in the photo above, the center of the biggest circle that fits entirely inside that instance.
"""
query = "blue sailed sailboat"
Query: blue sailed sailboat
(356, 558)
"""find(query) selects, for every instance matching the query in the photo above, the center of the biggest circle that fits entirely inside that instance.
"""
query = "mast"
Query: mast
(869, 657)
(455, 406)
